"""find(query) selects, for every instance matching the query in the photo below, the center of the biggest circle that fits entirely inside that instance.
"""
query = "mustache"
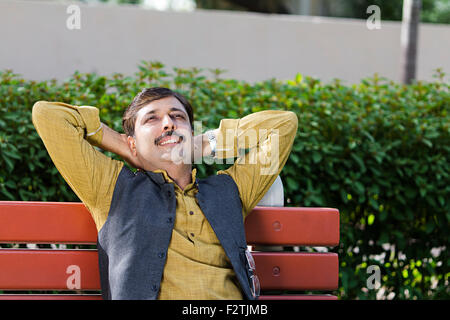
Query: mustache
(168, 133)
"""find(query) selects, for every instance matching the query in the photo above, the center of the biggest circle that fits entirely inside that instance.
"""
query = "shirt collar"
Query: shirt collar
(168, 179)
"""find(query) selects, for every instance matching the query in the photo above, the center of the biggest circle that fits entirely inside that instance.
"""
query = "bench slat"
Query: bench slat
(293, 226)
(46, 222)
(297, 271)
(70, 222)
(47, 270)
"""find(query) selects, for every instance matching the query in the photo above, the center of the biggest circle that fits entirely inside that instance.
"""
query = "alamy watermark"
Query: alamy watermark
(73, 22)
(374, 20)
(249, 146)
(374, 280)
(74, 280)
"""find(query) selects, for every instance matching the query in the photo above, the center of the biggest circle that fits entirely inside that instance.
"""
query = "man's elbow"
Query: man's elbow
(38, 111)
(292, 117)
(45, 111)
(292, 121)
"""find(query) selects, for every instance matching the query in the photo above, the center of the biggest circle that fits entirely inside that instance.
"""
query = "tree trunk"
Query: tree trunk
(409, 39)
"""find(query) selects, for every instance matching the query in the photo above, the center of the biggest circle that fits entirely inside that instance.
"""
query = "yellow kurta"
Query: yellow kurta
(196, 266)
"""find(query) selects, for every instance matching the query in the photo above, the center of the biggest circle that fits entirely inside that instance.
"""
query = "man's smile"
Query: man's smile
(169, 139)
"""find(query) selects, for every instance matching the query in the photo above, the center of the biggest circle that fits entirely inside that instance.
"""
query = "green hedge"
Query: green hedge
(378, 151)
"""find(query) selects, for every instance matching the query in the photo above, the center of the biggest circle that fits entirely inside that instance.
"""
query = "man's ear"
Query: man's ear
(132, 145)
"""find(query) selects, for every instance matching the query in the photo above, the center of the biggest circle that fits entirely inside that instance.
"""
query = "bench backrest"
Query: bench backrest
(76, 270)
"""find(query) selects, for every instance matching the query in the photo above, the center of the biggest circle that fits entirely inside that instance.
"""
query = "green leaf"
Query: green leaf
(359, 187)
(317, 199)
(7, 194)
(11, 184)
(292, 184)
(410, 193)
(343, 195)
(373, 203)
(429, 226)
(423, 192)
(359, 161)
(383, 215)
(334, 186)
(11, 154)
(379, 158)
(427, 143)
(441, 200)
(316, 157)
(9, 164)
(294, 158)
(384, 237)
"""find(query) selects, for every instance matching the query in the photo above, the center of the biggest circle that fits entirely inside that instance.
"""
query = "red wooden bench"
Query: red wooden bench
(70, 223)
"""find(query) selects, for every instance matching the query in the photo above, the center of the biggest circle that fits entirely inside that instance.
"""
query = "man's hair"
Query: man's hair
(145, 97)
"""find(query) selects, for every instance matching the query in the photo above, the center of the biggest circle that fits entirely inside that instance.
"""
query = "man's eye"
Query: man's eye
(179, 116)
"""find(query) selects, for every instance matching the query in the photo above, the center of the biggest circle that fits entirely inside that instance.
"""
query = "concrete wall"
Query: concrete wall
(36, 43)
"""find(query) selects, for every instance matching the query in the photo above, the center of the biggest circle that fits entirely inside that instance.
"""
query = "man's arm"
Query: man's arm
(117, 143)
(69, 134)
(262, 142)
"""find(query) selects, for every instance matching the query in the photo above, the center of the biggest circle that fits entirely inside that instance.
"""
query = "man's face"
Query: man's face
(162, 131)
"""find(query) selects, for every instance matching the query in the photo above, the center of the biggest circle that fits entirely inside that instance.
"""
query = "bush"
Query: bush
(378, 151)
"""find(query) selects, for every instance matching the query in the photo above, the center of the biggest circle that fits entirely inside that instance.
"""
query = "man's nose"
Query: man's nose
(167, 123)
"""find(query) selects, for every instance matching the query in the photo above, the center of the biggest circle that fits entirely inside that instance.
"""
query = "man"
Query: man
(162, 233)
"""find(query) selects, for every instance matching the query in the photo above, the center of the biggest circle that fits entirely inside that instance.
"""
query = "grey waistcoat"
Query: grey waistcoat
(133, 242)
